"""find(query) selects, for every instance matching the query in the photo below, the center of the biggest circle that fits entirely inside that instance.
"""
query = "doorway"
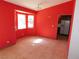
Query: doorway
(63, 27)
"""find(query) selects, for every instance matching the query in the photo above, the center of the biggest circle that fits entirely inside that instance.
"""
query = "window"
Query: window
(24, 20)
(21, 21)
(30, 21)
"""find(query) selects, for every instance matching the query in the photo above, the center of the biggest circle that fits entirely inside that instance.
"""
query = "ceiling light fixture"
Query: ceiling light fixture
(40, 4)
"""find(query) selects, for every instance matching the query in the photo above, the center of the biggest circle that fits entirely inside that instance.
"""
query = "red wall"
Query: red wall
(74, 2)
(7, 32)
(7, 24)
(47, 19)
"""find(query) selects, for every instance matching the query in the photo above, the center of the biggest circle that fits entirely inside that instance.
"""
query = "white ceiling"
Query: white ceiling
(37, 4)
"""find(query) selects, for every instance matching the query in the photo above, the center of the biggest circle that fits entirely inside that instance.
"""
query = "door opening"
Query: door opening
(63, 27)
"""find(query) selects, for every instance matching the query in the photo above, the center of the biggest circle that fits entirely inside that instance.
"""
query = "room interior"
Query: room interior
(40, 35)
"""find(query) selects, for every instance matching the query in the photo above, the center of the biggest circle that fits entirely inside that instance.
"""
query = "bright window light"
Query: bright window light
(30, 21)
(21, 21)
(38, 41)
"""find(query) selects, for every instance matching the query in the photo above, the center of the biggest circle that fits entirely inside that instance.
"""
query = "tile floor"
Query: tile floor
(36, 48)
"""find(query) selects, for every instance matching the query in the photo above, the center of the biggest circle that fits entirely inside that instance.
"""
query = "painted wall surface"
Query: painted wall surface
(74, 42)
(71, 23)
(47, 19)
(8, 34)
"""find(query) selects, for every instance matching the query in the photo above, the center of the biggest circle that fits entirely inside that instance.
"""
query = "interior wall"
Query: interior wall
(74, 42)
(71, 23)
(47, 19)
(8, 34)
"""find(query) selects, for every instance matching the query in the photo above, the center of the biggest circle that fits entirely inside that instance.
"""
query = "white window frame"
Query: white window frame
(21, 24)
(31, 21)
